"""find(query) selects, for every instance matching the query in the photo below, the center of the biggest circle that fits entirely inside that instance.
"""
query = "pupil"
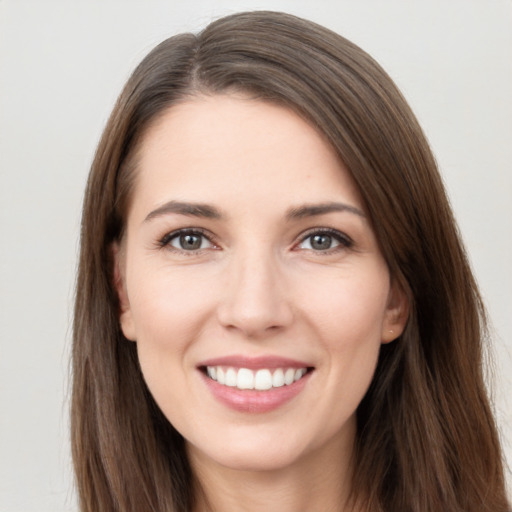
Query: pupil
(190, 242)
(321, 242)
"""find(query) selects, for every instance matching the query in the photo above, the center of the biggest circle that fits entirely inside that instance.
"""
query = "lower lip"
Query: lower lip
(253, 401)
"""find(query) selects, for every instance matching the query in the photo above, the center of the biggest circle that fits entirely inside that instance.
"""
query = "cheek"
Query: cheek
(351, 336)
(168, 323)
(348, 321)
(166, 303)
(170, 310)
(350, 308)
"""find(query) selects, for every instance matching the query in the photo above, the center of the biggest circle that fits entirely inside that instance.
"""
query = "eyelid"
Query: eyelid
(164, 242)
(345, 242)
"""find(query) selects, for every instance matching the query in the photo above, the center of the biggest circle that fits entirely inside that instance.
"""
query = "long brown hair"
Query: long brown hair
(426, 438)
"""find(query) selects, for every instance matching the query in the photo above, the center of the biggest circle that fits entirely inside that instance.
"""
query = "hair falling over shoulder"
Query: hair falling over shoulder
(426, 441)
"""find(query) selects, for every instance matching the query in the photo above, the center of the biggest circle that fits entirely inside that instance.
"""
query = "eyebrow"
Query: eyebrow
(321, 209)
(207, 211)
(190, 209)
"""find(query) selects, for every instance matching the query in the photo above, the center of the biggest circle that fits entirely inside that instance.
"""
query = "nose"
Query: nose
(255, 300)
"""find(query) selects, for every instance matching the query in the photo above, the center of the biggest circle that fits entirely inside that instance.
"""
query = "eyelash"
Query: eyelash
(343, 240)
(165, 241)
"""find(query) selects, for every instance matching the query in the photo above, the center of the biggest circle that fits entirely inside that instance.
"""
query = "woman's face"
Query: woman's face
(251, 281)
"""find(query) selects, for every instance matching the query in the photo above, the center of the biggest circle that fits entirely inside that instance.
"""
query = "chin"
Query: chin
(249, 455)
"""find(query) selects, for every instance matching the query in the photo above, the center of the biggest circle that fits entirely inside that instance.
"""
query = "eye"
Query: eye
(187, 240)
(325, 240)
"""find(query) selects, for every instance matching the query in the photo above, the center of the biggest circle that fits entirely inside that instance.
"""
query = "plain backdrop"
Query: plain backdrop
(62, 64)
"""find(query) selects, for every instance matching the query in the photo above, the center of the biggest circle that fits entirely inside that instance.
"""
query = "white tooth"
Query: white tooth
(245, 379)
(278, 378)
(263, 380)
(289, 376)
(298, 374)
(231, 377)
(211, 372)
(221, 377)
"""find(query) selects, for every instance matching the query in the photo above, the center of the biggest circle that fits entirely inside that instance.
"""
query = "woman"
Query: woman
(274, 309)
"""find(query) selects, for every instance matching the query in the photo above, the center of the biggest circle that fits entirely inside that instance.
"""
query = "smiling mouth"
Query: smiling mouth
(262, 379)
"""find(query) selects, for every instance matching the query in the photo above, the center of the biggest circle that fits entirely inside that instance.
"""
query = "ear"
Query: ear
(119, 276)
(397, 313)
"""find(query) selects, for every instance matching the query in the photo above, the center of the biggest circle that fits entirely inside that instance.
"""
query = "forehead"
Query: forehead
(226, 147)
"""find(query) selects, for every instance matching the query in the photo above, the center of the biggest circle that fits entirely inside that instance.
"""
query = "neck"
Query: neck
(318, 481)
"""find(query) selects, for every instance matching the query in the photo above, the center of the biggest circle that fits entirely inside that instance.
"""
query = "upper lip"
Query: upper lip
(255, 363)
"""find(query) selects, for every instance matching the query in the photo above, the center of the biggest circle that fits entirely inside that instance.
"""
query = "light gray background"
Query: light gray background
(62, 65)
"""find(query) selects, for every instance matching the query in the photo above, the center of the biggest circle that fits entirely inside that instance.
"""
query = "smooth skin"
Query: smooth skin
(275, 257)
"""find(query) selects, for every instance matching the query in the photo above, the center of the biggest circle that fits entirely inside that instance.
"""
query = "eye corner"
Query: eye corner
(328, 241)
(189, 241)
